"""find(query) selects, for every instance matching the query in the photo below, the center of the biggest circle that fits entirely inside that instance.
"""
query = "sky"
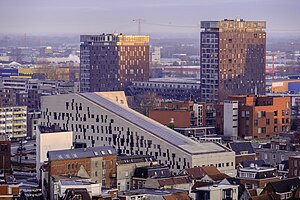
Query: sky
(159, 16)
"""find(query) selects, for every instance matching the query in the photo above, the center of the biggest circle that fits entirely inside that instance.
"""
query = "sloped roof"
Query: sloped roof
(285, 185)
(177, 196)
(176, 180)
(238, 147)
(195, 172)
(247, 163)
(210, 170)
(158, 130)
(91, 152)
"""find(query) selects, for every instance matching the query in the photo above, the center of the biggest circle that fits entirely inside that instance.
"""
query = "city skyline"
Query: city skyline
(158, 17)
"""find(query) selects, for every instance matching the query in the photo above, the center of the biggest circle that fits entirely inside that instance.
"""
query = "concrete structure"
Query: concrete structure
(109, 62)
(50, 139)
(233, 58)
(13, 121)
(99, 121)
(231, 119)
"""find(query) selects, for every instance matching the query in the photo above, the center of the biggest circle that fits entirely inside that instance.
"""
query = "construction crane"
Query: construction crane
(140, 21)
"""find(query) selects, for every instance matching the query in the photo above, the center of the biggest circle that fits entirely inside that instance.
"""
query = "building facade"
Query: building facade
(233, 58)
(109, 62)
(258, 116)
(99, 121)
(294, 166)
(13, 121)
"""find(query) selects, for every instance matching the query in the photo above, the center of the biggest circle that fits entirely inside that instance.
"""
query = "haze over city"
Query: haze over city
(143, 100)
(94, 16)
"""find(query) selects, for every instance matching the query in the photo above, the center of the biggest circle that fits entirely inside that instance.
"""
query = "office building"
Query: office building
(109, 62)
(99, 121)
(233, 58)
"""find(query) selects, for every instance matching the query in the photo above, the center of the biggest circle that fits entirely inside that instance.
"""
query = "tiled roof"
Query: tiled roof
(195, 172)
(211, 170)
(177, 196)
(91, 152)
(176, 180)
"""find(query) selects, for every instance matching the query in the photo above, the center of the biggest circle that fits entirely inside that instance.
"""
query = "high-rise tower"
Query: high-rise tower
(233, 57)
(110, 62)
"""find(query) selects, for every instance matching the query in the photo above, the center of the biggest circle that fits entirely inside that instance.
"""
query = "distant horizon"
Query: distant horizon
(168, 16)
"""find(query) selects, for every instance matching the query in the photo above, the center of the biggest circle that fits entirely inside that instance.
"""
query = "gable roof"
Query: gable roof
(210, 170)
(176, 196)
(285, 185)
(238, 147)
(247, 163)
(195, 172)
(176, 180)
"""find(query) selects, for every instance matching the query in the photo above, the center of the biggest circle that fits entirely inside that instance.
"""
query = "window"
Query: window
(259, 130)
(268, 121)
(255, 122)
(275, 113)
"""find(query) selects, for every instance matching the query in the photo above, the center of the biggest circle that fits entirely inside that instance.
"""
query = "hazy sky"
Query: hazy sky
(97, 16)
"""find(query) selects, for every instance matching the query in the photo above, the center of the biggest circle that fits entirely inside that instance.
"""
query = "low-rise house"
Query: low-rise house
(257, 177)
(205, 173)
(96, 163)
(126, 166)
(174, 182)
(93, 188)
(283, 189)
(294, 166)
(141, 174)
(216, 191)
(243, 151)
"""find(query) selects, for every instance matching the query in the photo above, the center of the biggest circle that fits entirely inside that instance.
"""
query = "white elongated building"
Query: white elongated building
(98, 121)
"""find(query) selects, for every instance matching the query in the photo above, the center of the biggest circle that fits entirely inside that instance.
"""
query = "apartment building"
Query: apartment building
(233, 58)
(259, 116)
(109, 62)
(13, 121)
